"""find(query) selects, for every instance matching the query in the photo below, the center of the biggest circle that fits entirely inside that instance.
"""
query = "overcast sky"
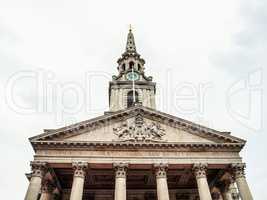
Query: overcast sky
(56, 58)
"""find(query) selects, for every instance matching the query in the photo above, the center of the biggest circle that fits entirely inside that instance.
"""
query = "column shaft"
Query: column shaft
(34, 188)
(161, 179)
(120, 189)
(47, 190)
(77, 188)
(46, 196)
(202, 183)
(239, 175)
(230, 191)
(243, 188)
(38, 171)
(78, 180)
(227, 196)
(120, 181)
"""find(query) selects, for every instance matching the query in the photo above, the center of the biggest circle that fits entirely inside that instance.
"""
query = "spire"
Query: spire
(130, 46)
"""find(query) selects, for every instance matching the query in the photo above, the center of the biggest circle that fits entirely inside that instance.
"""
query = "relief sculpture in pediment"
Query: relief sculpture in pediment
(139, 131)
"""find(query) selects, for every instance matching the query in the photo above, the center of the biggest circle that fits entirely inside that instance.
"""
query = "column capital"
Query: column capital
(238, 170)
(200, 170)
(120, 169)
(38, 168)
(161, 170)
(79, 168)
(47, 187)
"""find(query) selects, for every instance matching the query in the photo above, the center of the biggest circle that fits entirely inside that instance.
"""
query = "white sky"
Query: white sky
(214, 50)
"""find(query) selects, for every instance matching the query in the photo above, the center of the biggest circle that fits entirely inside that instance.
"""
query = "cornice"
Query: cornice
(133, 145)
(92, 124)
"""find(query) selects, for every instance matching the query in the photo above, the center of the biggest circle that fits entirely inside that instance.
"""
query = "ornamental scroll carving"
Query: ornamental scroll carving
(139, 131)
(238, 170)
(200, 170)
(39, 169)
(80, 168)
(120, 169)
(161, 170)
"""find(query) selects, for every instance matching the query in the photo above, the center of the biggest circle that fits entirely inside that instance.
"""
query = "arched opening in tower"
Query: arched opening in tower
(130, 98)
(131, 65)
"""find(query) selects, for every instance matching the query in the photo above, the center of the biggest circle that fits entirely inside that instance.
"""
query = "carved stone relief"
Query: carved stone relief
(139, 131)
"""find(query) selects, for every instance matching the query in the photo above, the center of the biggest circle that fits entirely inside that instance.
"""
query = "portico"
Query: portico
(136, 152)
(122, 181)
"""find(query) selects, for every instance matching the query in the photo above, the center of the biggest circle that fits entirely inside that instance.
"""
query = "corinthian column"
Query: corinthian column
(120, 180)
(229, 190)
(239, 176)
(202, 183)
(38, 172)
(78, 180)
(47, 190)
(161, 177)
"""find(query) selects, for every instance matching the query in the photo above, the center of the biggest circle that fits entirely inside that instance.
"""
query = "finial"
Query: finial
(130, 27)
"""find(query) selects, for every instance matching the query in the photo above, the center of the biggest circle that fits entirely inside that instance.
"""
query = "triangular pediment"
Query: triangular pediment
(128, 130)
(137, 125)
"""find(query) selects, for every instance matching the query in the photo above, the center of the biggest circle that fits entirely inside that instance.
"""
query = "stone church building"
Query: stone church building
(136, 152)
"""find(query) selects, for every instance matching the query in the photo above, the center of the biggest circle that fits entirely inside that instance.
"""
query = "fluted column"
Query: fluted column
(161, 178)
(202, 183)
(120, 180)
(38, 172)
(78, 180)
(227, 195)
(47, 191)
(229, 190)
(239, 176)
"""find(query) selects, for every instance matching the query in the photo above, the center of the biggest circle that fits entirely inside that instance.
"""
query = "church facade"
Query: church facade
(136, 152)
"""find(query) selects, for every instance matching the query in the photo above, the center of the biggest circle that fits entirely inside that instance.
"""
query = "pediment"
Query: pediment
(137, 125)
(129, 131)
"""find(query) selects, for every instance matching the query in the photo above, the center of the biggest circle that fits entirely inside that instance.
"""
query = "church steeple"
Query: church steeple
(130, 58)
(130, 45)
(131, 85)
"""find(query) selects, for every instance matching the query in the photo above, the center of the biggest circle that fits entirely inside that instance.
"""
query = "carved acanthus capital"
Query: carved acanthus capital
(38, 168)
(80, 168)
(47, 187)
(120, 169)
(200, 170)
(161, 170)
(238, 170)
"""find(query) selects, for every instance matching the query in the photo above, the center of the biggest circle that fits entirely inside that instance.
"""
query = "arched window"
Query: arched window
(123, 67)
(139, 67)
(131, 65)
(130, 99)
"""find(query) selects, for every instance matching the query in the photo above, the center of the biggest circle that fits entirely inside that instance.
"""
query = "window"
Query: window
(123, 67)
(131, 65)
(130, 99)
(139, 67)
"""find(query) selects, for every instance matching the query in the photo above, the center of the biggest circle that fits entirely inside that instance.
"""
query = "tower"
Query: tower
(131, 85)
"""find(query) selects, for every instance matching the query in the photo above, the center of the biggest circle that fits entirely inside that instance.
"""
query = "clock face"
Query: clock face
(132, 76)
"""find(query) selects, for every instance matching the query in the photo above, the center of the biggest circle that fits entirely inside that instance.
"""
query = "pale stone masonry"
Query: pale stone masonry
(202, 183)
(162, 186)
(120, 180)
(135, 152)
